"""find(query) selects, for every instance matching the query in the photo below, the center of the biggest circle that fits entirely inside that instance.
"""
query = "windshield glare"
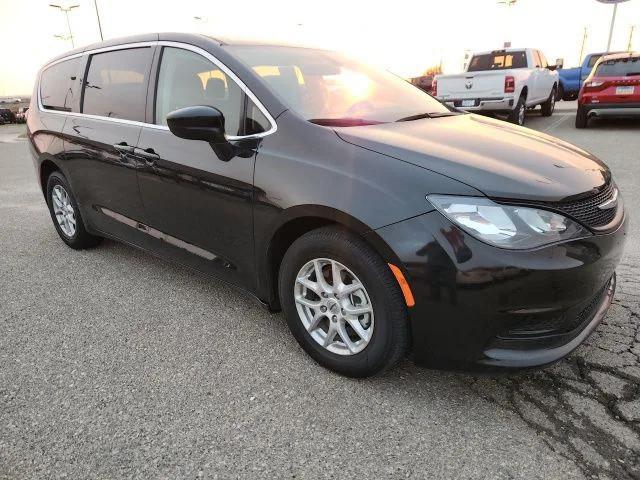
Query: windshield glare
(330, 89)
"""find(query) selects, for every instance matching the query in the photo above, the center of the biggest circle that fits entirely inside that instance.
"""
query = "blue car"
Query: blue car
(571, 79)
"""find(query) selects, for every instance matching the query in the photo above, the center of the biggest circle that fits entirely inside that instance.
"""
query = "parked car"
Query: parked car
(503, 82)
(7, 115)
(377, 218)
(21, 116)
(572, 79)
(611, 90)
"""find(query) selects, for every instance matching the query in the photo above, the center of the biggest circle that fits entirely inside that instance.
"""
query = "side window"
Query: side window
(116, 84)
(536, 59)
(187, 79)
(255, 121)
(57, 85)
(543, 60)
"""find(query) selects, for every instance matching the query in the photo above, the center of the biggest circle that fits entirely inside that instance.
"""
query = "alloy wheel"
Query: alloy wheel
(334, 306)
(63, 210)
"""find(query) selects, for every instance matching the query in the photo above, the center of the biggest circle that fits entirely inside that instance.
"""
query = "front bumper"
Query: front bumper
(503, 104)
(482, 306)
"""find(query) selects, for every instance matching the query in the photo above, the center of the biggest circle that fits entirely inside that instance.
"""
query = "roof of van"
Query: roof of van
(195, 38)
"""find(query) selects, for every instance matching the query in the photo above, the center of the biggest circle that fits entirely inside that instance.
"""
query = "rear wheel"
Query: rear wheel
(582, 120)
(560, 95)
(518, 114)
(342, 303)
(66, 214)
(549, 106)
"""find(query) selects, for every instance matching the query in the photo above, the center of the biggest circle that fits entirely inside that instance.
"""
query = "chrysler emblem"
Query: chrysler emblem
(611, 203)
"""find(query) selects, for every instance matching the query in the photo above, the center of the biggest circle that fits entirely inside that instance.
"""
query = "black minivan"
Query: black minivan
(381, 221)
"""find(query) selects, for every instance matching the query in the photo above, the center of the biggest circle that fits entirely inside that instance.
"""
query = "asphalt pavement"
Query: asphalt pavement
(116, 364)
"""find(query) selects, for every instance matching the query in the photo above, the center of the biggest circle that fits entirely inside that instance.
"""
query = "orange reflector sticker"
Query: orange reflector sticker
(404, 285)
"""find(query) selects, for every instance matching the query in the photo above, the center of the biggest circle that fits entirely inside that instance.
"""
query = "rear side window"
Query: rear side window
(593, 60)
(116, 84)
(57, 85)
(498, 61)
(187, 79)
(621, 67)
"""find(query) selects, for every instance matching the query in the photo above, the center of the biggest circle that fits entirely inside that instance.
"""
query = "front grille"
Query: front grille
(555, 325)
(586, 210)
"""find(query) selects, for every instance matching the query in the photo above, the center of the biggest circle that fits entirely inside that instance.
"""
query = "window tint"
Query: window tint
(116, 84)
(187, 79)
(255, 121)
(57, 85)
(621, 67)
(498, 61)
(543, 60)
(593, 60)
(536, 59)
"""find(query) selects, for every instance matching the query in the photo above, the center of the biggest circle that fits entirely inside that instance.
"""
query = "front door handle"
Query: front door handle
(149, 155)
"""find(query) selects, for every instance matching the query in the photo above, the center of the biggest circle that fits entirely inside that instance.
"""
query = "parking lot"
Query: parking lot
(118, 364)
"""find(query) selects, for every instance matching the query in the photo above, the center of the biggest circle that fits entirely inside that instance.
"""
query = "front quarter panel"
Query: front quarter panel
(305, 170)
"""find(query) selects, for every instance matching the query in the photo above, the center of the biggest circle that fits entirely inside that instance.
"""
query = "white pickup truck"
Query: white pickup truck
(502, 81)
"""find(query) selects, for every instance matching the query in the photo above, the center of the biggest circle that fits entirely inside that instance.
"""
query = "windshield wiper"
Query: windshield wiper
(420, 116)
(343, 122)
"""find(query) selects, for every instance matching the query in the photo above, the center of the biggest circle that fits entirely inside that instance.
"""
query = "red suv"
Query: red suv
(612, 89)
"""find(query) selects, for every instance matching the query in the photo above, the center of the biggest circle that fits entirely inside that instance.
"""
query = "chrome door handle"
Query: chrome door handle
(123, 147)
(149, 155)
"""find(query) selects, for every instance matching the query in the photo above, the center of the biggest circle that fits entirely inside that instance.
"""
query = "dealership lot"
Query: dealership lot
(117, 364)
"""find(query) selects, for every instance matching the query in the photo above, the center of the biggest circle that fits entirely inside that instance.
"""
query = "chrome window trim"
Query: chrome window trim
(163, 43)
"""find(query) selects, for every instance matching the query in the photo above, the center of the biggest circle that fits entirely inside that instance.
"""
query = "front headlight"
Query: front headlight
(507, 226)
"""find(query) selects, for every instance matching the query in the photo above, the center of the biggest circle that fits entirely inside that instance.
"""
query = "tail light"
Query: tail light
(594, 85)
(434, 88)
(509, 84)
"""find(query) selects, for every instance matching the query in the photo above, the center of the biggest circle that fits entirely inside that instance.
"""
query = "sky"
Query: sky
(403, 36)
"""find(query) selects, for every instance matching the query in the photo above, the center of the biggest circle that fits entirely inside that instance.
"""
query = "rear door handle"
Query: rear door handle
(149, 155)
(123, 147)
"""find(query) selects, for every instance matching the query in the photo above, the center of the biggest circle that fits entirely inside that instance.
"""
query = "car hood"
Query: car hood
(499, 159)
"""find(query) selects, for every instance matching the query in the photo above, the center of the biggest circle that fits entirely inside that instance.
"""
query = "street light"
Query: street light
(66, 11)
(613, 18)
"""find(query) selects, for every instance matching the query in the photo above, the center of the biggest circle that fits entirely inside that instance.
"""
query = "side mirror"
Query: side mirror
(198, 123)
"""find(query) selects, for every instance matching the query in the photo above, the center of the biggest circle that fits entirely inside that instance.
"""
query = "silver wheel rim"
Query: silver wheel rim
(521, 114)
(63, 210)
(333, 306)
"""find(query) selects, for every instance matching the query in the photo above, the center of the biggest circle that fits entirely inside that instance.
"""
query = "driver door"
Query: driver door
(199, 204)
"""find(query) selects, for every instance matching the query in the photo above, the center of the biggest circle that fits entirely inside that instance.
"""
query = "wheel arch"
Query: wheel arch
(294, 223)
(47, 167)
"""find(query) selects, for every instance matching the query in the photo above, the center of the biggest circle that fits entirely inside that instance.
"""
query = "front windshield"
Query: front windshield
(330, 89)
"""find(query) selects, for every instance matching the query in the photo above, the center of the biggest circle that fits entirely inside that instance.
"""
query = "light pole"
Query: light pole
(613, 18)
(631, 32)
(66, 11)
(95, 4)
(508, 4)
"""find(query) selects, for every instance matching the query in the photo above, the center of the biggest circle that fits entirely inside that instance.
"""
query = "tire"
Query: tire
(518, 114)
(549, 106)
(560, 94)
(582, 120)
(388, 327)
(77, 237)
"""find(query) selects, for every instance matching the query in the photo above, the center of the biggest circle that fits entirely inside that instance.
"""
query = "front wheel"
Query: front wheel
(549, 106)
(518, 114)
(342, 303)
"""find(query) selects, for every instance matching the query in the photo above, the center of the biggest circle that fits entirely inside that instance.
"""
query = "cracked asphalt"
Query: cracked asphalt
(115, 364)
